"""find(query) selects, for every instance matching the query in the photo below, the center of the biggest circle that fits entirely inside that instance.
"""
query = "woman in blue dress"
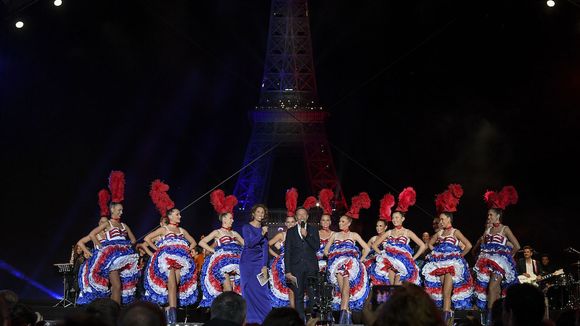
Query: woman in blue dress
(253, 261)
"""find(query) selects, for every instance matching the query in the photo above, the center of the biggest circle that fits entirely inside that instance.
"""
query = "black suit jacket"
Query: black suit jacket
(300, 254)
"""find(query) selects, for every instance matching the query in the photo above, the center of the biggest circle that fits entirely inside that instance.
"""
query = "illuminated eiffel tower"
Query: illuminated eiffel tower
(288, 112)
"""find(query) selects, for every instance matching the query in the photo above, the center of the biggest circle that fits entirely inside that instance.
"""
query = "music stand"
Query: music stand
(64, 270)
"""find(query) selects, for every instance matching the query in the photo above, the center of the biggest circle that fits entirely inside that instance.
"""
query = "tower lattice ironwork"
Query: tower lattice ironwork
(288, 112)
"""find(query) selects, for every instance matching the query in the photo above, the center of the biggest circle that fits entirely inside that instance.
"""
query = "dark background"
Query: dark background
(421, 93)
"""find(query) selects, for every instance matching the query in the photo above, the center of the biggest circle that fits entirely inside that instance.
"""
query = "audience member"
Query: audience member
(141, 313)
(283, 316)
(22, 315)
(10, 298)
(104, 309)
(523, 306)
(227, 309)
(409, 305)
(569, 318)
(4, 312)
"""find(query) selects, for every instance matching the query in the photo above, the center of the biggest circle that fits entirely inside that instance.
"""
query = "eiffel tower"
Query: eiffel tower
(288, 114)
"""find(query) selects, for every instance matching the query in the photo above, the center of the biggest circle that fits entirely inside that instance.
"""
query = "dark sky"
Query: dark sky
(421, 93)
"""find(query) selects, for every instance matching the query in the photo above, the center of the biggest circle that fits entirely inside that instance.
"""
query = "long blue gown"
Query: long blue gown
(254, 257)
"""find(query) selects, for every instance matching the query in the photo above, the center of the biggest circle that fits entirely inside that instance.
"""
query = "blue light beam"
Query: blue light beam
(18, 274)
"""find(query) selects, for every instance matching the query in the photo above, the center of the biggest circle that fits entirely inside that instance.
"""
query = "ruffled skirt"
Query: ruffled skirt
(446, 259)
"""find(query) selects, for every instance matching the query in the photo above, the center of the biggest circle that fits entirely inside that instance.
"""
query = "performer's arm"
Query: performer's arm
(94, 232)
(330, 241)
(188, 237)
(238, 237)
(82, 244)
(432, 241)
(277, 238)
(512, 238)
(130, 234)
(463, 240)
(145, 247)
(371, 241)
(149, 238)
(203, 242)
(379, 240)
(476, 246)
(419, 242)
(364, 245)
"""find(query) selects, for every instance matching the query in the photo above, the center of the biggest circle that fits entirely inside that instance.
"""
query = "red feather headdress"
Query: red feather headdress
(117, 186)
(387, 203)
(291, 201)
(362, 200)
(221, 203)
(449, 199)
(309, 202)
(407, 198)
(325, 196)
(158, 194)
(104, 198)
(507, 196)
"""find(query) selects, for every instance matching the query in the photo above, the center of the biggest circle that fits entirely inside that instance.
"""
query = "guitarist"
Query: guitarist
(529, 267)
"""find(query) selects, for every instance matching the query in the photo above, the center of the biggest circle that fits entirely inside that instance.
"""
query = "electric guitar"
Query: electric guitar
(533, 279)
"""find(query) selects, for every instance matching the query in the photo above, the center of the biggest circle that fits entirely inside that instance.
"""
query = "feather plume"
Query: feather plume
(218, 200)
(117, 186)
(456, 190)
(407, 198)
(309, 202)
(325, 196)
(230, 202)
(362, 200)
(509, 195)
(291, 201)
(449, 199)
(104, 198)
(387, 203)
(160, 198)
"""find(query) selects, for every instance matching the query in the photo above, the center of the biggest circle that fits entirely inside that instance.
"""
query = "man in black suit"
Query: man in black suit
(302, 242)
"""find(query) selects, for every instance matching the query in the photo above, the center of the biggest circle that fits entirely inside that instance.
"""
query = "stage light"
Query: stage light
(57, 3)
(19, 24)
(550, 3)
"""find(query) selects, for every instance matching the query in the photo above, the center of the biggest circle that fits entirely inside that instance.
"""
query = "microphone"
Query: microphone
(302, 224)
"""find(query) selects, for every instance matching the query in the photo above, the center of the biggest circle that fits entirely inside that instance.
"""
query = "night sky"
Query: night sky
(422, 93)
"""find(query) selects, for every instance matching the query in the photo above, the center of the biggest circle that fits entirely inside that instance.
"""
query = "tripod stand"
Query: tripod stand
(322, 300)
(65, 270)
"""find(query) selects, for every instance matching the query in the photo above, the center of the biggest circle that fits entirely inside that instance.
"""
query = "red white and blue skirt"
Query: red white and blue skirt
(343, 259)
(225, 262)
(446, 259)
(85, 289)
(114, 255)
(174, 253)
(494, 258)
(278, 288)
(320, 256)
(399, 258)
(376, 275)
